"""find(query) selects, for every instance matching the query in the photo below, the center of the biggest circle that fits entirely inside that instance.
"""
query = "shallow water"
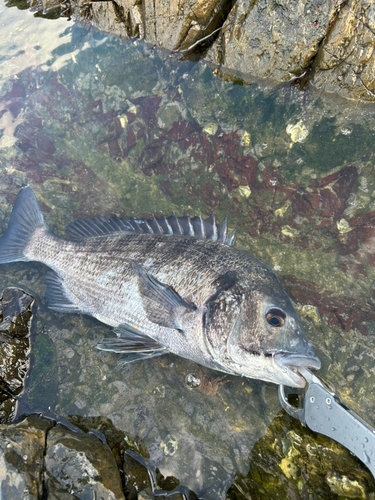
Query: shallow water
(98, 126)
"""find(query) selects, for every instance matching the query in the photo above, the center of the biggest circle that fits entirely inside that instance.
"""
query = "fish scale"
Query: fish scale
(84, 277)
(168, 284)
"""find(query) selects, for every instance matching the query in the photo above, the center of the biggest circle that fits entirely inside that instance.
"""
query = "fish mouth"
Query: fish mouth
(290, 363)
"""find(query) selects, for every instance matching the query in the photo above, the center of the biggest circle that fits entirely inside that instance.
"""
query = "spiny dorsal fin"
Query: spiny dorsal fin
(100, 226)
(185, 225)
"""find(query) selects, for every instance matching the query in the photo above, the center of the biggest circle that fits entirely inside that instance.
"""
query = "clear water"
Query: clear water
(98, 126)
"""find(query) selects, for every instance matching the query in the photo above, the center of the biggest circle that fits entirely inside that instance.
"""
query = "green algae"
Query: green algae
(313, 264)
(328, 148)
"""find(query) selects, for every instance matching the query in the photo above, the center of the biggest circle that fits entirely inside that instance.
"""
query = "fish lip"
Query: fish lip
(291, 363)
(296, 360)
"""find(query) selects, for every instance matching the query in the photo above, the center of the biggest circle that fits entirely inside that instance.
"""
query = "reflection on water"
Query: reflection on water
(96, 127)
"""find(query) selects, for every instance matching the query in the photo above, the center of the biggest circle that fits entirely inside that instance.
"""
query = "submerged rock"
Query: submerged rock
(81, 465)
(39, 459)
(291, 461)
(42, 459)
(16, 317)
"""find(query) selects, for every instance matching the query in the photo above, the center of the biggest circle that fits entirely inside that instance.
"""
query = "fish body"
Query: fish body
(166, 291)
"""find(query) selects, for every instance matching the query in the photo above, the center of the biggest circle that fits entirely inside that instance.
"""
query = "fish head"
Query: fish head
(264, 338)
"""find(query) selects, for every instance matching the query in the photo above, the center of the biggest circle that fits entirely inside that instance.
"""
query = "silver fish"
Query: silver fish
(170, 284)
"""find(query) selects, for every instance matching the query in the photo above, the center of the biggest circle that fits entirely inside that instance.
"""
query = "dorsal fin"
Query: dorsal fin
(100, 226)
(185, 225)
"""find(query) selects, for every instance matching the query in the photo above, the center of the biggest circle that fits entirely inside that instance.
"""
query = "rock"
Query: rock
(136, 465)
(22, 448)
(146, 494)
(291, 461)
(272, 39)
(39, 459)
(117, 440)
(16, 315)
(44, 5)
(121, 19)
(346, 60)
(334, 41)
(179, 25)
(173, 25)
(81, 465)
(137, 478)
(328, 42)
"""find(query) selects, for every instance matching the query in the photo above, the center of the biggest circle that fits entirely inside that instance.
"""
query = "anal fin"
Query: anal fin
(56, 295)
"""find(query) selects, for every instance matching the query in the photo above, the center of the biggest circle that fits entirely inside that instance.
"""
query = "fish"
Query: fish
(167, 285)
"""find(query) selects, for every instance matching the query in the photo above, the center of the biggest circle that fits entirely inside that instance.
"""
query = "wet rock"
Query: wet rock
(333, 41)
(346, 59)
(272, 39)
(118, 441)
(146, 494)
(39, 459)
(173, 25)
(137, 467)
(290, 461)
(22, 448)
(179, 25)
(16, 316)
(44, 5)
(81, 465)
(279, 40)
(137, 478)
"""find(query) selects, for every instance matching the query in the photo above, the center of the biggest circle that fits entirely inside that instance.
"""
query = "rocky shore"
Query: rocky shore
(328, 43)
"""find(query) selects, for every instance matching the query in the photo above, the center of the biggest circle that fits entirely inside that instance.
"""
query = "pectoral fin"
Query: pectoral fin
(133, 343)
(161, 303)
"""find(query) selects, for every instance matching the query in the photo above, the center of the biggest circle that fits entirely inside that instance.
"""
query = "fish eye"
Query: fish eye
(275, 317)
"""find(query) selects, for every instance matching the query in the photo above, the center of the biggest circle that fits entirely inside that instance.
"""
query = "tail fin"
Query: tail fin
(25, 218)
